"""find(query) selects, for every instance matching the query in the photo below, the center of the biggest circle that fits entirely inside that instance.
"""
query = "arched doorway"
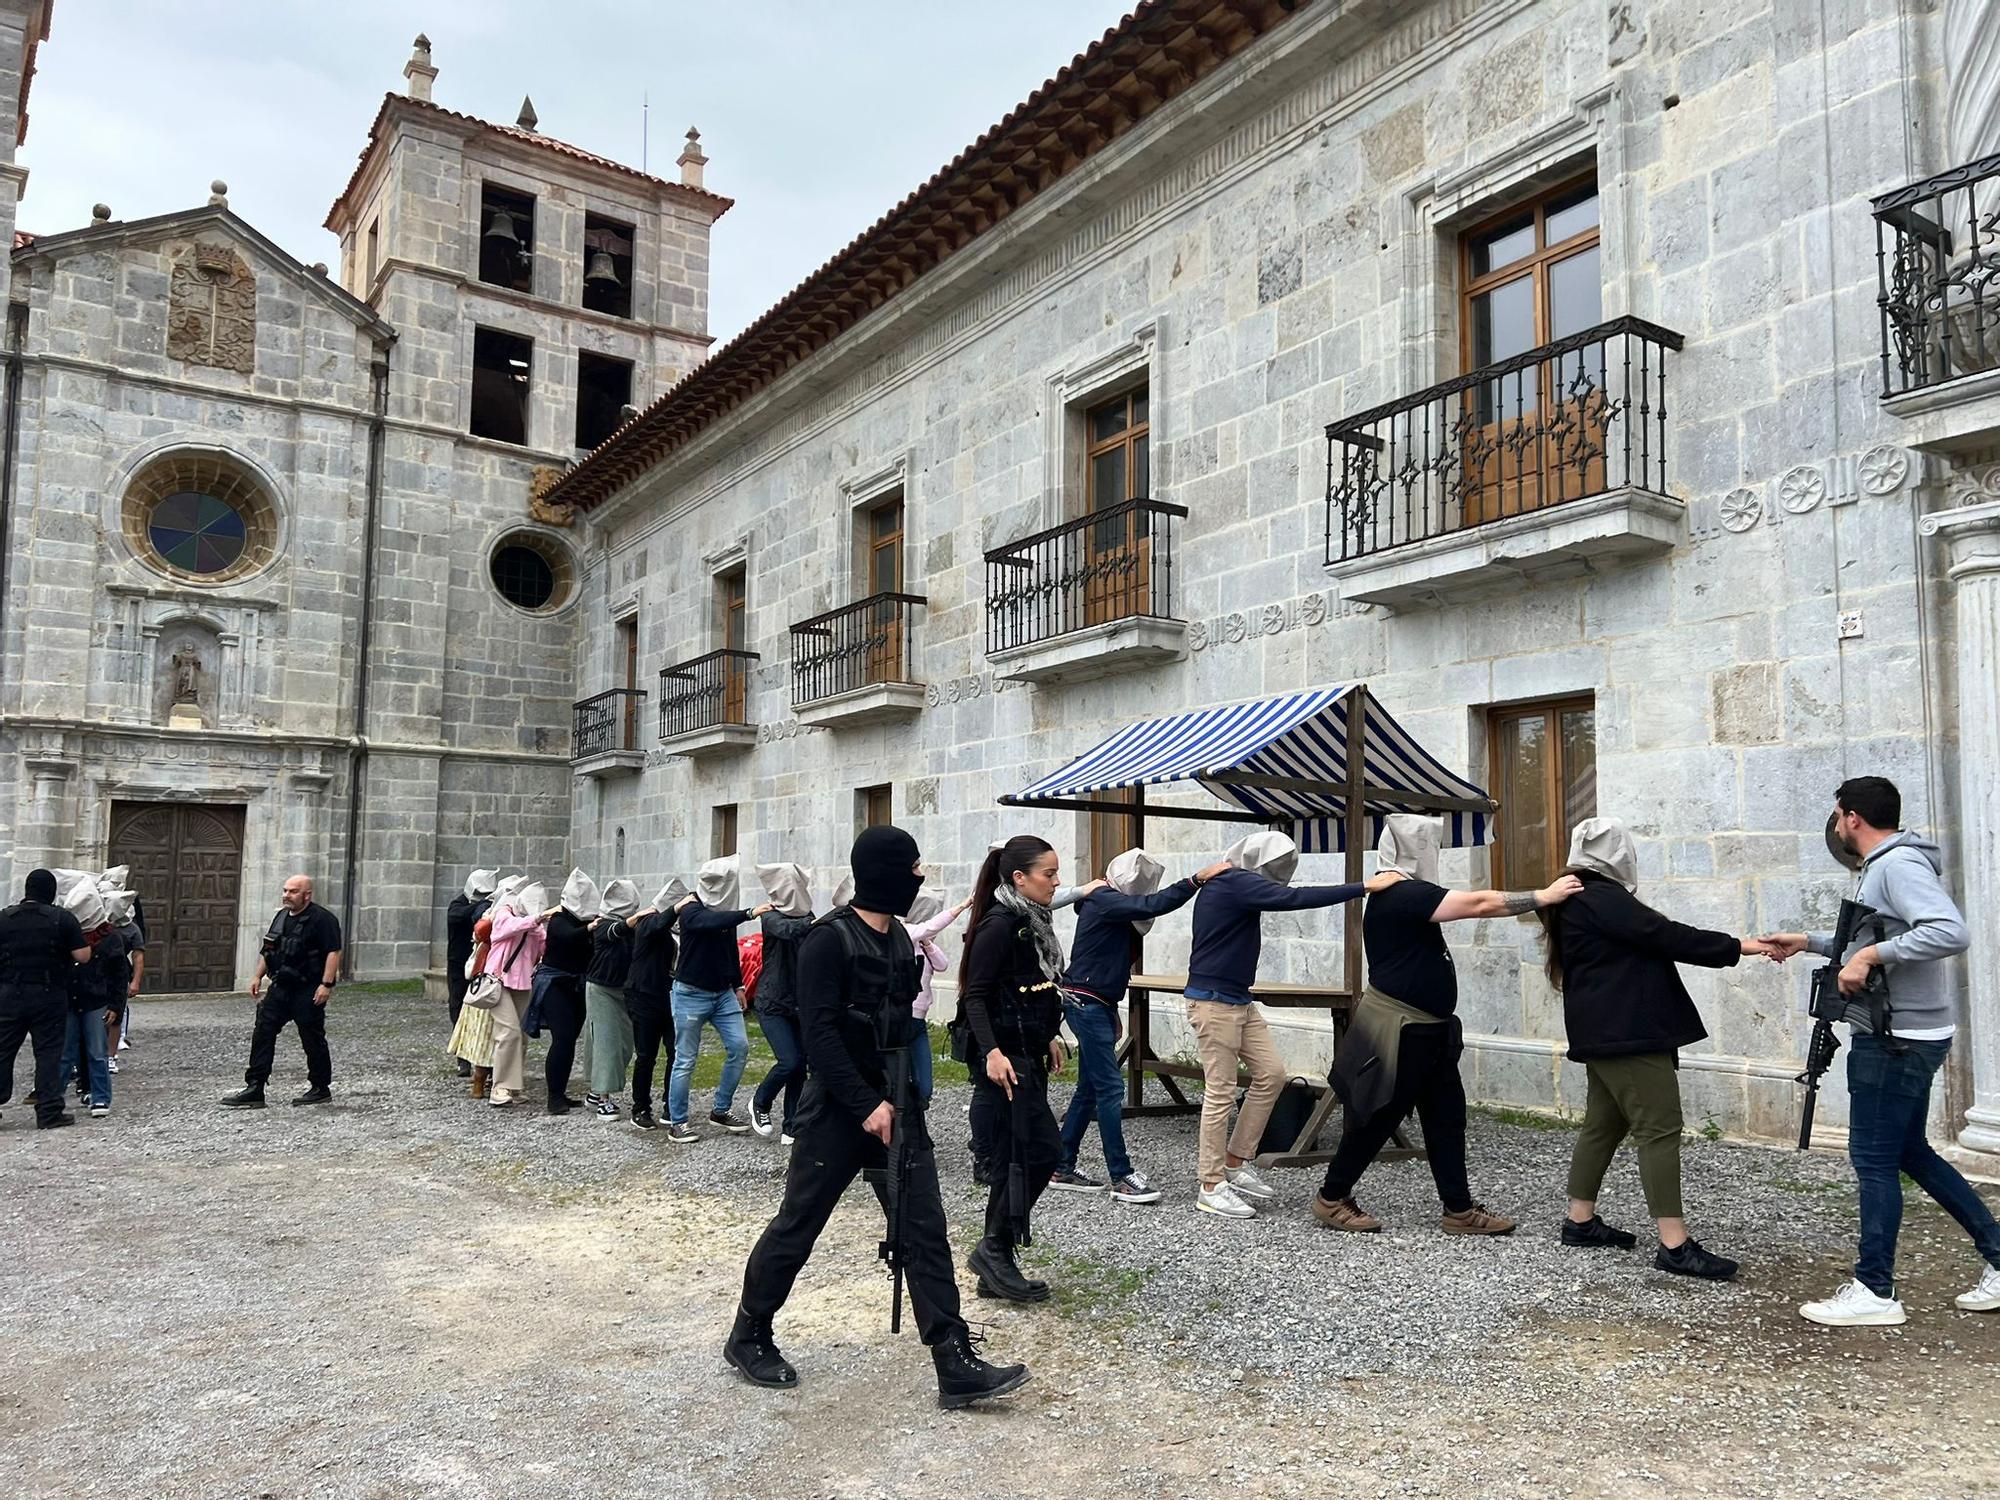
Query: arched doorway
(187, 868)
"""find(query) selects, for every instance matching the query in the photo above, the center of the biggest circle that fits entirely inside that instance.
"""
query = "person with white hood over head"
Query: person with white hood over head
(557, 1002)
(607, 1023)
(472, 1034)
(789, 888)
(1108, 924)
(96, 987)
(649, 984)
(1627, 1014)
(1228, 1024)
(513, 951)
(1401, 1049)
(460, 916)
(706, 981)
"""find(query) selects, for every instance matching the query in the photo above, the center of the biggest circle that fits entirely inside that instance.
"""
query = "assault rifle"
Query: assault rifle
(893, 1178)
(1829, 1005)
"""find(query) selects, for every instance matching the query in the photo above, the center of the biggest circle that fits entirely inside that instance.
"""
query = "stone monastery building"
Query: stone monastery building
(1613, 389)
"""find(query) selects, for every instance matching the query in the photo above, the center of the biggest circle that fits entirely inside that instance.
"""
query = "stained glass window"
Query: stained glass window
(197, 533)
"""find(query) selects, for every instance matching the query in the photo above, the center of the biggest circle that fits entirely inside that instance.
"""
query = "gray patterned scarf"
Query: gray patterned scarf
(1041, 925)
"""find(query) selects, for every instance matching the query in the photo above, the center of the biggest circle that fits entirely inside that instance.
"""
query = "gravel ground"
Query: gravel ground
(410, 1294)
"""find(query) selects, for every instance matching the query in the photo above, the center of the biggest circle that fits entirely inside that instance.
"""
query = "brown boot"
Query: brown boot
(1346, 1214)
(1476, 1220)
(480, 1078)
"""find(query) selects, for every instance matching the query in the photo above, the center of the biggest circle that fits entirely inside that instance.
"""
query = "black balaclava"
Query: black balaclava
(41, 886)
(885, 871)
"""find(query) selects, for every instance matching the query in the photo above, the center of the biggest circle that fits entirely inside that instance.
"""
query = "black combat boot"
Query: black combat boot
(751, 1350)
(249, 1097)
(319, 1093)
(963, 1377)
(992, 1261)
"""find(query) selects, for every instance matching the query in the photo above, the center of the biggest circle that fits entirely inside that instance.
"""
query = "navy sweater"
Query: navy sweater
(1228, 933)
(709, 960)
(1100, 955)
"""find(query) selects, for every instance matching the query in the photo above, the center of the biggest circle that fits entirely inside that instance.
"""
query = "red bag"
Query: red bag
(750, 954)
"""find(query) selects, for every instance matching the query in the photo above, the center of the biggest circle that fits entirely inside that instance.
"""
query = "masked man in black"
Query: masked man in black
(301, 958)
(40, 944)
(856, 981)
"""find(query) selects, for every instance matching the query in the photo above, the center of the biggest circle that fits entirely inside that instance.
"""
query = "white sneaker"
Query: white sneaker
(111, 1063)
(1222, 1199)
(500, 1098)
(1986, 1296)
(1246, 1181)
(1854, 1306)
(786, 1140)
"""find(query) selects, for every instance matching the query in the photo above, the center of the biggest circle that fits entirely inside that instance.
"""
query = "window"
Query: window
(501, 364)
(200, 517)
(873, 807)
(607, 266)
(506, 238)
(1111, 834)
(374, 255)
(603, 391)
(885, 547)
(1544, 769)
(531, 572)
(1117, 463)
(722, 840)
(1531, 276)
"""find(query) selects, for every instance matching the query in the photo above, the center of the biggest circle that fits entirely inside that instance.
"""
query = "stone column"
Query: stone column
(1971, 534)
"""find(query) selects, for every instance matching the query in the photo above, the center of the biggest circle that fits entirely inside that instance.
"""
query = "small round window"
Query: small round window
(197, 533)
(531, 571)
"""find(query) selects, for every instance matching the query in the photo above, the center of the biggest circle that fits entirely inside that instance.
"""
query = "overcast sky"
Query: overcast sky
(817, 115)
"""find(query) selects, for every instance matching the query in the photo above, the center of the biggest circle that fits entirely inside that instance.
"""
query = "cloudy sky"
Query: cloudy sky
(817, 115)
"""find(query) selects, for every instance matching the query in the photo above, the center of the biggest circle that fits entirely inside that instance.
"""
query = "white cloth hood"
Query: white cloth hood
(118, 907)
(69, 880)
(86, 904)
(926, 906)
(1136, 873)
(718, 882)
(504, 891)
(843, 889)
(529, 900)
(671, 894)
(1409, 843)
(481, 883)
(789, 887)
(1604, 845)
(114, 878)
(621, 899)
(1273, 855)
(580, 897)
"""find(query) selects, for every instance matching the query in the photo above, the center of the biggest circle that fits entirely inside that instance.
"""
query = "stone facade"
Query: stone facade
(356, 666)
(1277, 249)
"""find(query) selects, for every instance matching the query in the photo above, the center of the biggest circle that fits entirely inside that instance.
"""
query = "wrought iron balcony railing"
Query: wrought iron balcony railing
(855, 646)
(706, 692)
(1582, 416)
(608, 722)
(1113, 564)
(1937, 268)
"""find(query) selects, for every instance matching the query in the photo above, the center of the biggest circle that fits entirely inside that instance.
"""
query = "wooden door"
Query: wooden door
(732, 601)
(1117, 553)
(628, 650)
(187, 868)
(885, 576)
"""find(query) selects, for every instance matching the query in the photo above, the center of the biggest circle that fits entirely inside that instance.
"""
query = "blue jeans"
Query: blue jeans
(718, 1008)
(788, 1072)
(1100, 1092)
(87, 1034)
(1889, 1096)
(921, 1073)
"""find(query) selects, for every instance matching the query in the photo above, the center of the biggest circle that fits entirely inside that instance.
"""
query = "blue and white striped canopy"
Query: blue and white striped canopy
(1301, 736)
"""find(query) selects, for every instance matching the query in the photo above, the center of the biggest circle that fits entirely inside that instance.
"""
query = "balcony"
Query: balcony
(851, 666)
(607, 734)
(704, 705)
(1552, 462)
(1086, 598)
(1937, 267)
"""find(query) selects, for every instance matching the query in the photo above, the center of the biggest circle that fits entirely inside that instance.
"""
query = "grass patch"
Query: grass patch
(1526, 1119)
(1086, 1287)
(407, 988)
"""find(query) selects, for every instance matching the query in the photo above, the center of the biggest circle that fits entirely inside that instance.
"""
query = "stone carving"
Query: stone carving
(1741, 509)
(1883, 469)
(1973, 486)
(1271, 619)
(1801, 488)
(212, 309)
(187, 676)
(544, 478)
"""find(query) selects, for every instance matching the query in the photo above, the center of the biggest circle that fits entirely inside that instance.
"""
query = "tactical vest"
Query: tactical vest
(880, 985)
(32, 954)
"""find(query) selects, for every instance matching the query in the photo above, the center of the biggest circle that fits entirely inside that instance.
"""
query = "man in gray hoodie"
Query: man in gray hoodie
(1889, 1077)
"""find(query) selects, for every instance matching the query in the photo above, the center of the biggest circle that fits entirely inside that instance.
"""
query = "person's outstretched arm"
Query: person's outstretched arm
(1464, 906)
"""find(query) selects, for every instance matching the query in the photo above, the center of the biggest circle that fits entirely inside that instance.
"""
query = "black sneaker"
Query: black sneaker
(247, 1098)
(681, 1133)
(643, 1118)
(1069, 1180)
(65, 1118)
(1594, 1234)
(722, 1119)
(319, 1093)
(464, 1068)
(561, 1106)
(1689, 1259)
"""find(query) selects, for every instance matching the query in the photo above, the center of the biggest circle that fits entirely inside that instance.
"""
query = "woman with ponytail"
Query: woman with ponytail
(1007, 990)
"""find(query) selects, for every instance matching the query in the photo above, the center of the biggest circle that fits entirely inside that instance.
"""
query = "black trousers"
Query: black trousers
(562, 1018)
(279, 1007)
(454, 985)
(1025, 1127)
(43, 1015)
(831, 1149)
(1427, 1081)
(652, 1030)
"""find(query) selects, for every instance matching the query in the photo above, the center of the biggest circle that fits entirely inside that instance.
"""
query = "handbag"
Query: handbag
(484, 991)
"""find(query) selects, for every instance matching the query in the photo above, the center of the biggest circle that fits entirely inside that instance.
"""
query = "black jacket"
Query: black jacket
(709, 956)
(1100, 955)
(1621, 993)
(777, 984)
(651, 974)
(459, 919)
(1008, 1002)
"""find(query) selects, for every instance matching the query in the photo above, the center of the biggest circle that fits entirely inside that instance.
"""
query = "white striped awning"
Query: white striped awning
(1280, 760)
